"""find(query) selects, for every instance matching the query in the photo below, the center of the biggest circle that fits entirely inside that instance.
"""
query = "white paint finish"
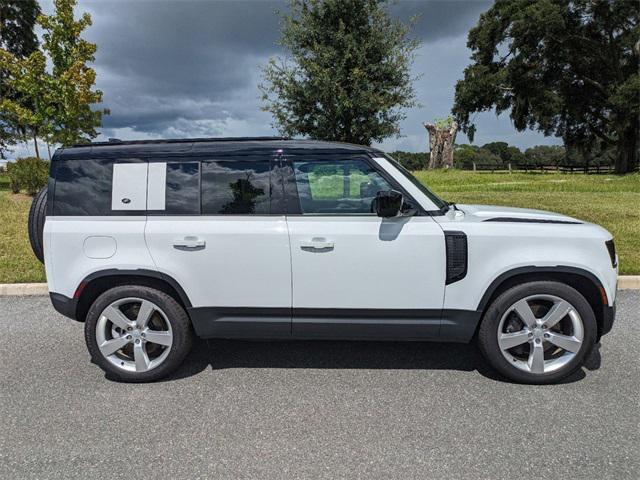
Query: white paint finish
(68, 265)
(374, 263)
(245, 261)
(424, 201)
(484, 212)
(495, 248)
(129, 184)
(100, 246)
(156, 186)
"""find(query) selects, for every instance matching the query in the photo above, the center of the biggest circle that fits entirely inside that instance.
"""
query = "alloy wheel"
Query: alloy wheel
(134, 334)
(540, 333)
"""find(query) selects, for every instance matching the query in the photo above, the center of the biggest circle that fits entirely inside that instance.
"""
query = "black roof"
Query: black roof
(204, 146)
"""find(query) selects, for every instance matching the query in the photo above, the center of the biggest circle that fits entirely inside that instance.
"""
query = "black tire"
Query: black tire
(488, 332)
(37, 216)
(175, 315)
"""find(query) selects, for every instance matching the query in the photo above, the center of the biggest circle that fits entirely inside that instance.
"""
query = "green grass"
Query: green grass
(609, 200)
(17, 263)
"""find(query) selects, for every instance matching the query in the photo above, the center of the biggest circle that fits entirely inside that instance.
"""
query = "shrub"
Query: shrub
(29, 174)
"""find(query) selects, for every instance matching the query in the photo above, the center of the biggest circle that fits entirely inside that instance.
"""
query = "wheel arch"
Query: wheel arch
(582, 280)
(92, 286)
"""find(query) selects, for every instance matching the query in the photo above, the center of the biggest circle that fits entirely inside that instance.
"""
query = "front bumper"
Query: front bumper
(64, 305)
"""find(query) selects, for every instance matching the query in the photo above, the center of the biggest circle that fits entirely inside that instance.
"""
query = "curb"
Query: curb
(625, 282)
(629, 282)
(24, 289)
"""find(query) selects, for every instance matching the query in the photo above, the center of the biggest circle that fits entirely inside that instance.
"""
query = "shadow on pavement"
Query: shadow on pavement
(224, 354)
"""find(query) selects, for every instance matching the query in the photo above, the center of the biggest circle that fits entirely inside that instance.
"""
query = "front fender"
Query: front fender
(501, 251)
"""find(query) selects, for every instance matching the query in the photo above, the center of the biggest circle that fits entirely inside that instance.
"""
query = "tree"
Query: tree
(17, 21)
(411, 160)
(466, 155)
(508, 154)
(73, 119)
(54, 105)
(546, 155)
(566, 68)
(347, 76)
(442, 138)
(29, 109)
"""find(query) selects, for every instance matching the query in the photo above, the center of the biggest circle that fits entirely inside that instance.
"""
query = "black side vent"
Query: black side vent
(611, 246)
(456, 244)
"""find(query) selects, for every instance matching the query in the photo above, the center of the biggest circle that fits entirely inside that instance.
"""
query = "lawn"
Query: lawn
(17, 263)
(609, 200)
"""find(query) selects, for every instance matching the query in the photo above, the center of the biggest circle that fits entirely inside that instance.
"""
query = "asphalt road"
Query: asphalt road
(310, 410)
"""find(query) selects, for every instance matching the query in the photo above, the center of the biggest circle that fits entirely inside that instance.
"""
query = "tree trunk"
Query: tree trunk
(35, 143)
(441, 141)
(627, 157)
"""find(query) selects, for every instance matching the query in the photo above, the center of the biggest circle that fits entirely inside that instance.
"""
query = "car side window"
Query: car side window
(83, 187)
(346, 187)
(235, 187)
(183, 189)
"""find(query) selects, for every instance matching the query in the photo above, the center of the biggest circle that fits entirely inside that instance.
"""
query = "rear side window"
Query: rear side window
(183, 189)
(83, 187)
(231, 187)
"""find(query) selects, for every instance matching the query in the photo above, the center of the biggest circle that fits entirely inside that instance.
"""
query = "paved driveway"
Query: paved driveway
(310, 410)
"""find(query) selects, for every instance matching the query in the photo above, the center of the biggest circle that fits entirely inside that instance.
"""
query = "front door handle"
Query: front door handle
(317, 244)
(189, 244)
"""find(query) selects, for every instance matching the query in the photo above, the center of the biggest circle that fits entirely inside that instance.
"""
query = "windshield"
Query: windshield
(432, 196)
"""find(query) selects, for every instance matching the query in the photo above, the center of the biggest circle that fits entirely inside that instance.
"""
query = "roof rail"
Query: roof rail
(117, 141)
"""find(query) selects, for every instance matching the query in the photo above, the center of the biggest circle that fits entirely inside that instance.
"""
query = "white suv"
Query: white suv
(149, 242)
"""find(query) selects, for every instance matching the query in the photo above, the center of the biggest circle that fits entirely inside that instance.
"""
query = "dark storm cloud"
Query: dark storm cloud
(440, 19)
(161, 63)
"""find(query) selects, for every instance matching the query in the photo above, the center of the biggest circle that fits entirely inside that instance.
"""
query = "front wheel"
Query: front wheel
(137, 334)
(538, 332)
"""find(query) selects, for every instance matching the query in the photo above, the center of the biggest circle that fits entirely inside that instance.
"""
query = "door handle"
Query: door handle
(189, 244)
(317, 244)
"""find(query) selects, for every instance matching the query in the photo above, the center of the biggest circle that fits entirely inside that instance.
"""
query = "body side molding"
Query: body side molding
(334, 324)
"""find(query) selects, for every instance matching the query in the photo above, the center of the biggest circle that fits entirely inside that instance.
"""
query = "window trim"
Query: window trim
(340, 157)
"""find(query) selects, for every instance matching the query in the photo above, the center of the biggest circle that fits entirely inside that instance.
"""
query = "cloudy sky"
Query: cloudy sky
(176, 68)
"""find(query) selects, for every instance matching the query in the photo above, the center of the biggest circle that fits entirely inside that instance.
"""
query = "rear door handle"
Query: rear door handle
(317, 244)
(189, 244)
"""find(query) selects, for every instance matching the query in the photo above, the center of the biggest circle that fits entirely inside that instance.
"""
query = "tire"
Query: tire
(137, 351)
(37, 216)
(543, 352)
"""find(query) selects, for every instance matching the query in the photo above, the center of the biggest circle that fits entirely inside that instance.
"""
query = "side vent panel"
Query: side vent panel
(457, 253)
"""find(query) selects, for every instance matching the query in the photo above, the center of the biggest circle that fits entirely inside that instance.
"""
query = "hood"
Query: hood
(492, 213)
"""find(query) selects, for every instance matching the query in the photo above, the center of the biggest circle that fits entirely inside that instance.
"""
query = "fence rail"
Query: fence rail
(589, 169)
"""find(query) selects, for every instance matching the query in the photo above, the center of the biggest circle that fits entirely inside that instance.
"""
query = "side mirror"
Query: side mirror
(388, 204)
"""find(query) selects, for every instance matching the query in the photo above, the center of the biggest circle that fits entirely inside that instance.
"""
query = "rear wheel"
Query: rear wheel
(37, 216)
(137, 334)
(538, 332)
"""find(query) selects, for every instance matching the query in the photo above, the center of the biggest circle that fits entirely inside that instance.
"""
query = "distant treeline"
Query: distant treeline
(501, 154)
